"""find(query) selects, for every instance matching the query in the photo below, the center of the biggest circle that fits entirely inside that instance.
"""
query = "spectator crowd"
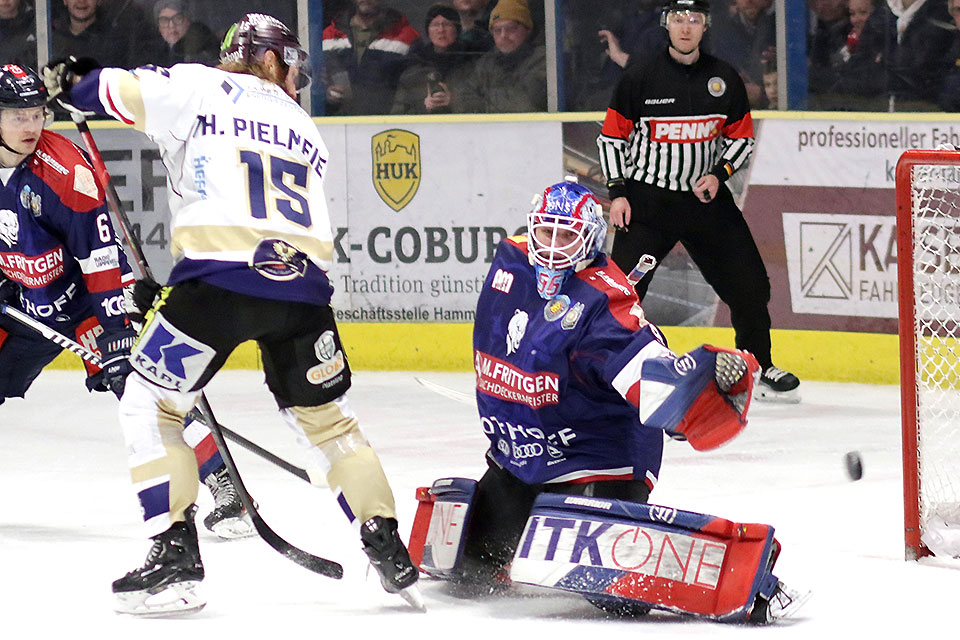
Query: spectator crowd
(489, 56)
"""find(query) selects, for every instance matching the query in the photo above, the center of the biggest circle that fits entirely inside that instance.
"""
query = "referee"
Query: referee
(677, 128)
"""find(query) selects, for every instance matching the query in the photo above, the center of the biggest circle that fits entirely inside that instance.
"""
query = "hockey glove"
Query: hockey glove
(719, 413)
(145, 293)
(115, 363)
(59, 76)
(9, 291)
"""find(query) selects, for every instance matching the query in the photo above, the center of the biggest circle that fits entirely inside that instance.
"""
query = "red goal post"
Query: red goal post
(928, 272)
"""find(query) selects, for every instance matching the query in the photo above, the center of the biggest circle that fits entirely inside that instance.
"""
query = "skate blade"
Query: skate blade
(177, 599)
(797, 600)
(413, 597)
(233, 528)
(779, 397)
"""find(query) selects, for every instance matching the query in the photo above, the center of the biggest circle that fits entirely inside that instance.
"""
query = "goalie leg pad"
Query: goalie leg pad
(668, 559)
(443, 512)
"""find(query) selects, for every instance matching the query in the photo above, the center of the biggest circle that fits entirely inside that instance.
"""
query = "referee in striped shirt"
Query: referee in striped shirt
(677, 128)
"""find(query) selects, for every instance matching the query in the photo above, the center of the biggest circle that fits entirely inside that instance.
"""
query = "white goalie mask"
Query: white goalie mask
(565, 231)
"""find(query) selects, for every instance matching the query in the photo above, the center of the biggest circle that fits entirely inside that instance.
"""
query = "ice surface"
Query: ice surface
(69, 522)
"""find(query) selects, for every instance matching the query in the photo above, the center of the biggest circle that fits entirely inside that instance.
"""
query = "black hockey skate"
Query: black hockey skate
(389, 557)
(167, 582)
(777, 385)
(229, 518)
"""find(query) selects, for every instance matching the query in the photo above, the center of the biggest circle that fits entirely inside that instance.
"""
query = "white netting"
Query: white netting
(935, 196)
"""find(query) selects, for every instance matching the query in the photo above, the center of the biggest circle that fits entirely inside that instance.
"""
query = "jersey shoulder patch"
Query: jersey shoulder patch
(62, 166)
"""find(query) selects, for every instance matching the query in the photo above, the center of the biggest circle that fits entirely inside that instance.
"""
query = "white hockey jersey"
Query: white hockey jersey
(245, 168)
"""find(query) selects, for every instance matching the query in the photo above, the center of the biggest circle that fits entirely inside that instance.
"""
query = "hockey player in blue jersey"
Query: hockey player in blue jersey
(61, 265)
(575, 390)
(253, 245)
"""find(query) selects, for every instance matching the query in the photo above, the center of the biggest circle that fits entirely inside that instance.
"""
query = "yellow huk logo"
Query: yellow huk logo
(396, 166)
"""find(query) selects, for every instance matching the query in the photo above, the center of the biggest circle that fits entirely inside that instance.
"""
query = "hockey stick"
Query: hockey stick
(309, 561)
(447, 392)
(56, 337)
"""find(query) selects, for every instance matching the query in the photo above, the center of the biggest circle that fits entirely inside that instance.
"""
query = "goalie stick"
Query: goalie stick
(644, 265)
(309, 561)
(313, 477)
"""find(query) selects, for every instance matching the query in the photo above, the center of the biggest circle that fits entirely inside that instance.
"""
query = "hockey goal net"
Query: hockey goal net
(928, 264)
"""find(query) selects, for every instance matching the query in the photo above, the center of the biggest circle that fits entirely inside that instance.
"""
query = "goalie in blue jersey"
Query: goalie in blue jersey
(575, 389)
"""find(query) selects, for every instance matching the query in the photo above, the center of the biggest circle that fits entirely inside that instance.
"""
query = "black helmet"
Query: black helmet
(700, 6)
(697, 6)
(21, 88)
(255, 34)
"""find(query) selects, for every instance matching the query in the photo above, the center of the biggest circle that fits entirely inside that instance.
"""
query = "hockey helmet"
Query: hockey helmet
(21, 88)
(256, 33)
(566, 231)
(688, 6)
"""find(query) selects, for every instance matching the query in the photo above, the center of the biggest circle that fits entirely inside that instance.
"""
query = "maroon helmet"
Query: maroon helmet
(255, 34)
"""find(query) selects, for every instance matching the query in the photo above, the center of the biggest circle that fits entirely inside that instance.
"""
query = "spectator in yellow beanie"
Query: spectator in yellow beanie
(516, 10)
(512, 78)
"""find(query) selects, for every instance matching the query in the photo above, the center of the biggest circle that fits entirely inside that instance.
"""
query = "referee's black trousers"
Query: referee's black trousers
(720, 243)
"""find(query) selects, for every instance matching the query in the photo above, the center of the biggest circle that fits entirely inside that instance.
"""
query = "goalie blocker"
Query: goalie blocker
(617, 553)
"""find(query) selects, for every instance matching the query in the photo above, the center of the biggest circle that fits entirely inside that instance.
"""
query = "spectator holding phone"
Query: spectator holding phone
(428, 85)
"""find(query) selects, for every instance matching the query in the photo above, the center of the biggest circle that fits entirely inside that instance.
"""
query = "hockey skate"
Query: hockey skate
(777, 385)
(167, 582)
(229, 518)
(389, 557)
(783, 603)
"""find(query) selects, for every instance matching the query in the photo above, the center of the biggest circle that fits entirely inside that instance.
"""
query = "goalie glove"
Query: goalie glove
(702, 397)
(719, 413)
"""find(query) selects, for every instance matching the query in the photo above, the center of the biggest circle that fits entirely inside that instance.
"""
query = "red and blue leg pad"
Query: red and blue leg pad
(666, 558)
(436, 541)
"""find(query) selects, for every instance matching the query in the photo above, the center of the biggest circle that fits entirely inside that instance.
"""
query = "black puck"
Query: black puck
(854, 464)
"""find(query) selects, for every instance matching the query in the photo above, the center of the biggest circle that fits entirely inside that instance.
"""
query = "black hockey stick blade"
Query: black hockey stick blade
(309, 561)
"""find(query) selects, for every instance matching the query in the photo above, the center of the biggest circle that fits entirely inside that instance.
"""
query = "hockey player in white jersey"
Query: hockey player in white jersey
(252, 245)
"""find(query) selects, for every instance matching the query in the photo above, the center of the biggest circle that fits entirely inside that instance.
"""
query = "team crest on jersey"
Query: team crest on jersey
(396, 166)
(556, 307)
(572, 317)
(716, 86)
(516, 329)
(30, 200)
(9, 226)
(278, 260)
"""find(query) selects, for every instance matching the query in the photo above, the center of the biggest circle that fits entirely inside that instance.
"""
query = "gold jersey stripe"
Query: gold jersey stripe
(219, 238)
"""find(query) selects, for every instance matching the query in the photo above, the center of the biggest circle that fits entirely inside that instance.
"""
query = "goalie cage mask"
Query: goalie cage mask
(256, 33)
(565, 233)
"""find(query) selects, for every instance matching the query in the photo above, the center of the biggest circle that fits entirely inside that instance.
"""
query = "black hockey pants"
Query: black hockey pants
(719, 242)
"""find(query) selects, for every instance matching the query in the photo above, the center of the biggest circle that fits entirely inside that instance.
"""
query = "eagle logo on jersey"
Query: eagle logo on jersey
(9, 227)
(396, 166)
(516, 330)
